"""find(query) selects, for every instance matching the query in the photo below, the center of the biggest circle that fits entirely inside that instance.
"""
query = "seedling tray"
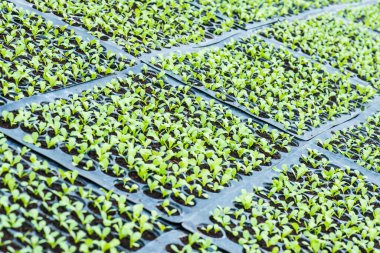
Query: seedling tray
(37, 203)
(327, 9)
(78, 30)
(39, 58)
(354, 79)
(247, 26)
(305, 137)
(372, 176)
(348, 27)
(231, 101)
(210, 38)
(302, 15)
(97, 176)
(366, 16)
(193, 222)
(375, 33)
(359, 120)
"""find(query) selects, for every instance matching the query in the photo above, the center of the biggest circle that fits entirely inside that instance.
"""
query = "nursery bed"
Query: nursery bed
(253, 127)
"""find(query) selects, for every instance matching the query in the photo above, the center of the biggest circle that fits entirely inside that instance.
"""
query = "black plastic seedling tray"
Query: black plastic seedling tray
(367, 29)
(303, 15)
(373, 108)
(78, 30)
(79, 181)
(308, 135)
(58, 61)
(355, 79)
(192, 223)
(106, 181)
(247, 26)
(110, 45)
(361, 118)
(231, 102)
(372, 176)
(327, 9)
